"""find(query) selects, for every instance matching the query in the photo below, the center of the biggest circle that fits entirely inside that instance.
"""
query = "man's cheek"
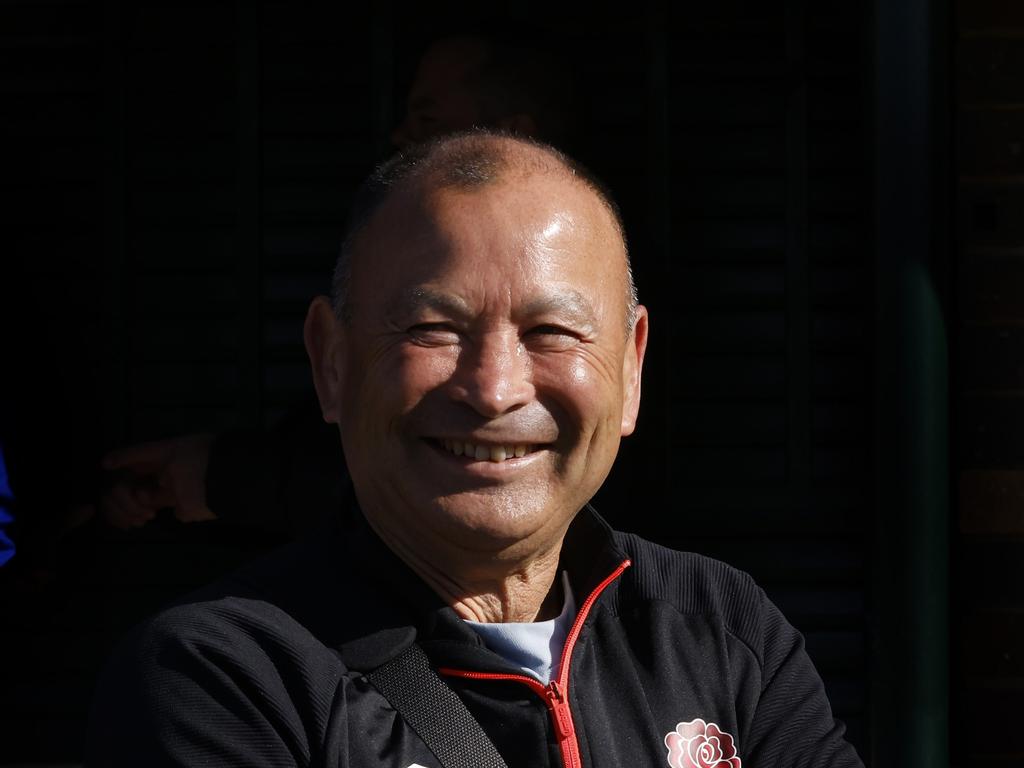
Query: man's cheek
(578, 373)
(419, 371)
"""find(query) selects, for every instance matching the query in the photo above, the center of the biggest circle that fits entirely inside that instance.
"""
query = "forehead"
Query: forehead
(550, 210)
(521, 228)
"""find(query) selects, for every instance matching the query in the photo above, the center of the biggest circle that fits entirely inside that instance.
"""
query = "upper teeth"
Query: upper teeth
(485, 452)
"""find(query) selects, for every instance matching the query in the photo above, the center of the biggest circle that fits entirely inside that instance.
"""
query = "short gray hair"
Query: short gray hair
(468, 160)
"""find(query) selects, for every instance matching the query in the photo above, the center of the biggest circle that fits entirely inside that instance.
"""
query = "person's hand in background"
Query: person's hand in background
(157, 475)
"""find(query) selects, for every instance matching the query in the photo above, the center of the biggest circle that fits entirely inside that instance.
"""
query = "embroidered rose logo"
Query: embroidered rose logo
(697, 744)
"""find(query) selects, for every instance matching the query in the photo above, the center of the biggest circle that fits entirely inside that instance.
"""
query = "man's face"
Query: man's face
(487, 373)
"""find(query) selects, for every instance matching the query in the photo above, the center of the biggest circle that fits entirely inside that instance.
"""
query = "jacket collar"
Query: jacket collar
(393, 606)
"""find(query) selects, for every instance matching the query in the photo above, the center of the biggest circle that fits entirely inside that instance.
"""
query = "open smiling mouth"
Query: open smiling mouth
(480, 452)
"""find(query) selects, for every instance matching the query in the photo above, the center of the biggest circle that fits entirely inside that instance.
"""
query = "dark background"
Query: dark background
(825, 212)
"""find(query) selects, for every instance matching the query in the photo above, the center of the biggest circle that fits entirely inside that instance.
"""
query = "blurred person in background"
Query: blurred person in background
(288, 478)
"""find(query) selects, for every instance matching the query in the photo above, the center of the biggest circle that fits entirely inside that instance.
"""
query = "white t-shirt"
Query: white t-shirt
(533, 646)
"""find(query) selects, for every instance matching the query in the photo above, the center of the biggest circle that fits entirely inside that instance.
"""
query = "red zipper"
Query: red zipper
(555, 693)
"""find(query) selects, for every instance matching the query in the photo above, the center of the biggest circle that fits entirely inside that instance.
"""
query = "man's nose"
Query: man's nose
(494, 375)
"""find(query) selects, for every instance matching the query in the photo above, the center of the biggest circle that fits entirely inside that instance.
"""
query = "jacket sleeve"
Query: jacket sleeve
(792, 724)
(195, 687)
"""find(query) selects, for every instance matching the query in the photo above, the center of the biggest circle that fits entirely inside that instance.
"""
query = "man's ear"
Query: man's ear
(632, 368)
(324, 339)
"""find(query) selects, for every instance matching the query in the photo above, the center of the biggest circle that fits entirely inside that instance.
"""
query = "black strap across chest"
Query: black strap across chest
(434, 711)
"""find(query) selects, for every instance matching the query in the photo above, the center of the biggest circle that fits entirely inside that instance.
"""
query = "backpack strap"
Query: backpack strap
(434, 711)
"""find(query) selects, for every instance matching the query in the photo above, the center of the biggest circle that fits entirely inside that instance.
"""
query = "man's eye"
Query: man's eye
(433, 333)
(552, 335)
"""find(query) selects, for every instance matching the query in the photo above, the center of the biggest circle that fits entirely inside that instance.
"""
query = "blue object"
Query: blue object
(6, 516)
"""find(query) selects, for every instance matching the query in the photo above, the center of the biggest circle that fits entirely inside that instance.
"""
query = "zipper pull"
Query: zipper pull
(560, 710)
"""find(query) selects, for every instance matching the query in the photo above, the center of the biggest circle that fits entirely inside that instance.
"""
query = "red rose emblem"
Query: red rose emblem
(697, 744)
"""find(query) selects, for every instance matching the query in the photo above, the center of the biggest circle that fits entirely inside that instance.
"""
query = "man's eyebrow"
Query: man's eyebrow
(418, 299)
(568, 303)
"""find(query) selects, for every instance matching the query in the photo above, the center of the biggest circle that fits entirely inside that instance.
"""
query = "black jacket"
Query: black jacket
(267, 668)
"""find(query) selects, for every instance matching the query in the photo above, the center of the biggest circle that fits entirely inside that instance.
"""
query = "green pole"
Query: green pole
(910, 678)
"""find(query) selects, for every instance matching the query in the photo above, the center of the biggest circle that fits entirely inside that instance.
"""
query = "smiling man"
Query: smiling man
(481, 357)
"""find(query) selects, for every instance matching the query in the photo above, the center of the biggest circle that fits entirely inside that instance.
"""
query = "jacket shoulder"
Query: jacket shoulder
(249, 641)
(695, 584)
(214, 677)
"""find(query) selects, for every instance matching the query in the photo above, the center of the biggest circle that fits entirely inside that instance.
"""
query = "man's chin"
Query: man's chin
(491, 518)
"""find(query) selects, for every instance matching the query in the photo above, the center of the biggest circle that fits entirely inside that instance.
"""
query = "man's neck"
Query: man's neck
(484, 589)
(533, 595)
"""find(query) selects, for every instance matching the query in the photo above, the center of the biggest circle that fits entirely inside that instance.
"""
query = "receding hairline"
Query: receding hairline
(476, 160)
